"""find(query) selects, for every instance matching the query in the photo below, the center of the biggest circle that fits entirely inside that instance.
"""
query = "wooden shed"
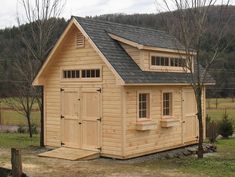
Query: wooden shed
(117, 89)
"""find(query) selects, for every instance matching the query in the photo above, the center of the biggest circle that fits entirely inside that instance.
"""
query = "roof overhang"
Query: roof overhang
(39, 81)
(164, 84)
(144, 47)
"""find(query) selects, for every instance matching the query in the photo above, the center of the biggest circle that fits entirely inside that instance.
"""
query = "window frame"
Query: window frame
(148, 117)
(168, 68)
(81, 79)
(171, 105)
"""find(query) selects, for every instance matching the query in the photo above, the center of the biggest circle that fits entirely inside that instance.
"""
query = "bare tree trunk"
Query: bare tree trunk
(30, 126)
(40, 104)
(200, 122)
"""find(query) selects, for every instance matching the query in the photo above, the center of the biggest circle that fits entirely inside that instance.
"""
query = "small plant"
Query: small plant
(211, 129)
(226, 126)
(34, 129)
(21, 129)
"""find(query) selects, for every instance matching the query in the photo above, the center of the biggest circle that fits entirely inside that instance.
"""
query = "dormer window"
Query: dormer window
(164, 63)
(167, 61)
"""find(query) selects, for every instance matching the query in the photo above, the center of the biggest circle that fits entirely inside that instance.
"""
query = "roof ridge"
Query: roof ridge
(127, 25)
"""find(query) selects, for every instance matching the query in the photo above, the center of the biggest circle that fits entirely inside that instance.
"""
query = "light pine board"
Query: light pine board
(70, 154)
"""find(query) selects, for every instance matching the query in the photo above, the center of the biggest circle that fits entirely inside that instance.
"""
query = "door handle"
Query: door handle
(79, 123)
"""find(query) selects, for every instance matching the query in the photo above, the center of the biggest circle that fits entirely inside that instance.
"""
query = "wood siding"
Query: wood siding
(71, 56)
(134, 53)
(142, 142)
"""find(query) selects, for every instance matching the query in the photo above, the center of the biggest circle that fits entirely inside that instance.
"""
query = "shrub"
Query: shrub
(21, 129)
(34, 129)
(226, 126)
(25, 129)
(211, 129)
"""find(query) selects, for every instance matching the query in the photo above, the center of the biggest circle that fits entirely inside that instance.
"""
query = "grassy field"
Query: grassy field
(13, 118)
(220, 164)
(8, 140)
(221, 103)
(217, 115)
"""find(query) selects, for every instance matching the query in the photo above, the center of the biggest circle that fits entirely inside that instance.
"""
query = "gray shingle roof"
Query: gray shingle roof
(147, 37)
(128, 70)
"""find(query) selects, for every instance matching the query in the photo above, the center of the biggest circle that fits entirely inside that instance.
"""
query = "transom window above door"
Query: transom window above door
(68, 74)
(90, 73)
(80, 74)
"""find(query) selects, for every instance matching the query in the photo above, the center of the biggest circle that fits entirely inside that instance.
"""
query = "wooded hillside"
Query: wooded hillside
(223, 70)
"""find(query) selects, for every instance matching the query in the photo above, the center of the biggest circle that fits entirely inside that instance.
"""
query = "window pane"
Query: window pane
(97, 73)
(77, 73)
(166, 61)
(73, 74)
(153, 60)
(144, 97)
(83, 73)
(92, 73)
(167, 103)
(143, 105)
(172, 61)
(69, 74)
(158, 61)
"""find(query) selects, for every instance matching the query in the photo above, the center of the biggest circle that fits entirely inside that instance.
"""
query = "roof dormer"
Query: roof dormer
(156, 58)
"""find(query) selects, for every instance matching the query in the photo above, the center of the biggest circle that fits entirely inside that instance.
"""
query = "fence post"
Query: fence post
(16, 163)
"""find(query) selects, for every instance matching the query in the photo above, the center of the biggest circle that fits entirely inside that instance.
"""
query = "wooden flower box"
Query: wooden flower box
(143, 126)
(169, 122)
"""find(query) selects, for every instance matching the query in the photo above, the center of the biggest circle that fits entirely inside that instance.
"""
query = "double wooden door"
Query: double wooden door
(190, 122)
(80, 117)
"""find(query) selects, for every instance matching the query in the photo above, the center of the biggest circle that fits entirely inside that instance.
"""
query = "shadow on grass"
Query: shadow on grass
(4, 172)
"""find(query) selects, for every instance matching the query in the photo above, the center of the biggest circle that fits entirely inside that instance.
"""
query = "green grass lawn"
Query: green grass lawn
(222, 103)
(220, 164)
(217, 114)
(17, 140)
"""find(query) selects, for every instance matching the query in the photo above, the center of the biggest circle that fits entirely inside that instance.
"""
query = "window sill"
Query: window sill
(169, 122)
(145, 125)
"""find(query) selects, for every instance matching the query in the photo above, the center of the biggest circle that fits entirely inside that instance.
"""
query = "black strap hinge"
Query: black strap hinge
(99, 90)
(100, 148)
(62, 144)
(61, 116)
(61, 89)
(99, 119)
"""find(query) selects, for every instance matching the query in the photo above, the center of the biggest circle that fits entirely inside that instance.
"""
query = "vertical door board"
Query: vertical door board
(70, 113)
(189, 116)
(91, 117)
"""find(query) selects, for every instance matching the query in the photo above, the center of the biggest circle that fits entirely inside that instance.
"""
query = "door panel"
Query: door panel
(70, 110)
(90, 118)
(190, 130)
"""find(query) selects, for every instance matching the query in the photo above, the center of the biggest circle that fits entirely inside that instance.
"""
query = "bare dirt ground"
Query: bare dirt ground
(35, 166)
